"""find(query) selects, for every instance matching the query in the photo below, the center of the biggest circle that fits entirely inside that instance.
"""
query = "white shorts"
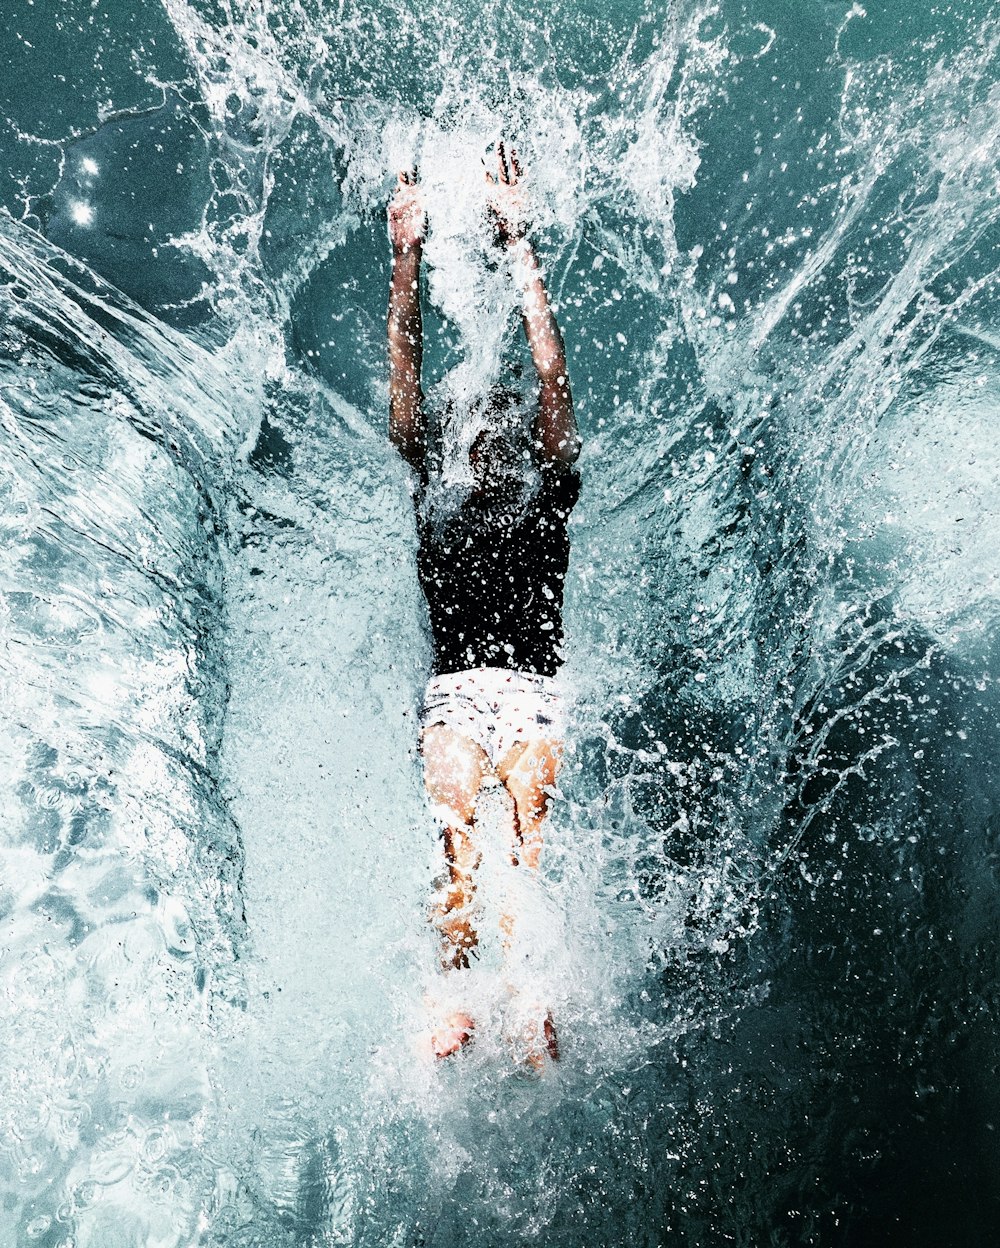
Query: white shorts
(496, 708)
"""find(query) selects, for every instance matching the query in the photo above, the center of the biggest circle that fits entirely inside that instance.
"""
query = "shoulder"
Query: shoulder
(559, 489)
(416, 482)
(417, 485)
(559, 476)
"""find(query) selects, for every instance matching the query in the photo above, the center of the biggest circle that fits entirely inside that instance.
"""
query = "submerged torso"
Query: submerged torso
(493, 572)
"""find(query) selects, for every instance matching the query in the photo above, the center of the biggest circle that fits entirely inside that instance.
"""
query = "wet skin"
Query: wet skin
(455, 767)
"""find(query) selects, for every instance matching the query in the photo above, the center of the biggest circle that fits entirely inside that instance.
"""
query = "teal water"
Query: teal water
(767, 912)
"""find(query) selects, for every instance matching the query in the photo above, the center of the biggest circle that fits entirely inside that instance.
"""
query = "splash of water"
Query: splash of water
(774, 273)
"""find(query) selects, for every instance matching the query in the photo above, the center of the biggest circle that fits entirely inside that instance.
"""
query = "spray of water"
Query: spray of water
(774, 280)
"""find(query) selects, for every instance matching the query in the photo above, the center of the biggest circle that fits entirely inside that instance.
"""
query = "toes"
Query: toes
(455, 1032)
(534, 1040)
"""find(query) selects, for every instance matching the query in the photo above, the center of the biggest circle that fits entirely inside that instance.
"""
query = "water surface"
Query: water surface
(767, 911)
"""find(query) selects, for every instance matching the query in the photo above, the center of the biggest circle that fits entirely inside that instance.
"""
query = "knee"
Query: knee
(530, 799)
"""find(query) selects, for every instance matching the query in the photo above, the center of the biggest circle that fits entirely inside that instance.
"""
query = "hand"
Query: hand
(505, 199)
(407, 217)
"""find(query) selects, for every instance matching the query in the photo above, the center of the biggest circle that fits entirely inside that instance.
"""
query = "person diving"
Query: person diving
(492, 559)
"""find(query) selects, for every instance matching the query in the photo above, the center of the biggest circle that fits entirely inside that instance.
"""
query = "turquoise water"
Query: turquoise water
(767, 911)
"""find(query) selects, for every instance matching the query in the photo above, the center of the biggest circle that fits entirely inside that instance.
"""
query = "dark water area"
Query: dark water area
(768, 907)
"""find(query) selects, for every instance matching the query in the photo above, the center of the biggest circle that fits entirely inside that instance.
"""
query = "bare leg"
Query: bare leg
(454, 768)
(528, 773)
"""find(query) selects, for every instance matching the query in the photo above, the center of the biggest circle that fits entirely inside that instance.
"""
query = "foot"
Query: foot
(454, 1031)
(551, 1039)
(535, 1039)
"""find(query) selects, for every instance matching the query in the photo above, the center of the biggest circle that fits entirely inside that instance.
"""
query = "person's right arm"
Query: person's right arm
(407, 420)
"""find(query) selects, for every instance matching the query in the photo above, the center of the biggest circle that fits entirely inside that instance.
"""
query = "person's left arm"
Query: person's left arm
(556, 437)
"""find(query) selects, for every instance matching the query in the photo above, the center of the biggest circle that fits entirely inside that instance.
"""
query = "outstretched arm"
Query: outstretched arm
(556, 435)
(407, 422)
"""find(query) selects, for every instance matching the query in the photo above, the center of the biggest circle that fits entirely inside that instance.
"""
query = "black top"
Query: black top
(493, 573)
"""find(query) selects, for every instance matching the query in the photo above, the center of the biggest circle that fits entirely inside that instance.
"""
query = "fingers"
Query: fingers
(509, 169)
(504, 167)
